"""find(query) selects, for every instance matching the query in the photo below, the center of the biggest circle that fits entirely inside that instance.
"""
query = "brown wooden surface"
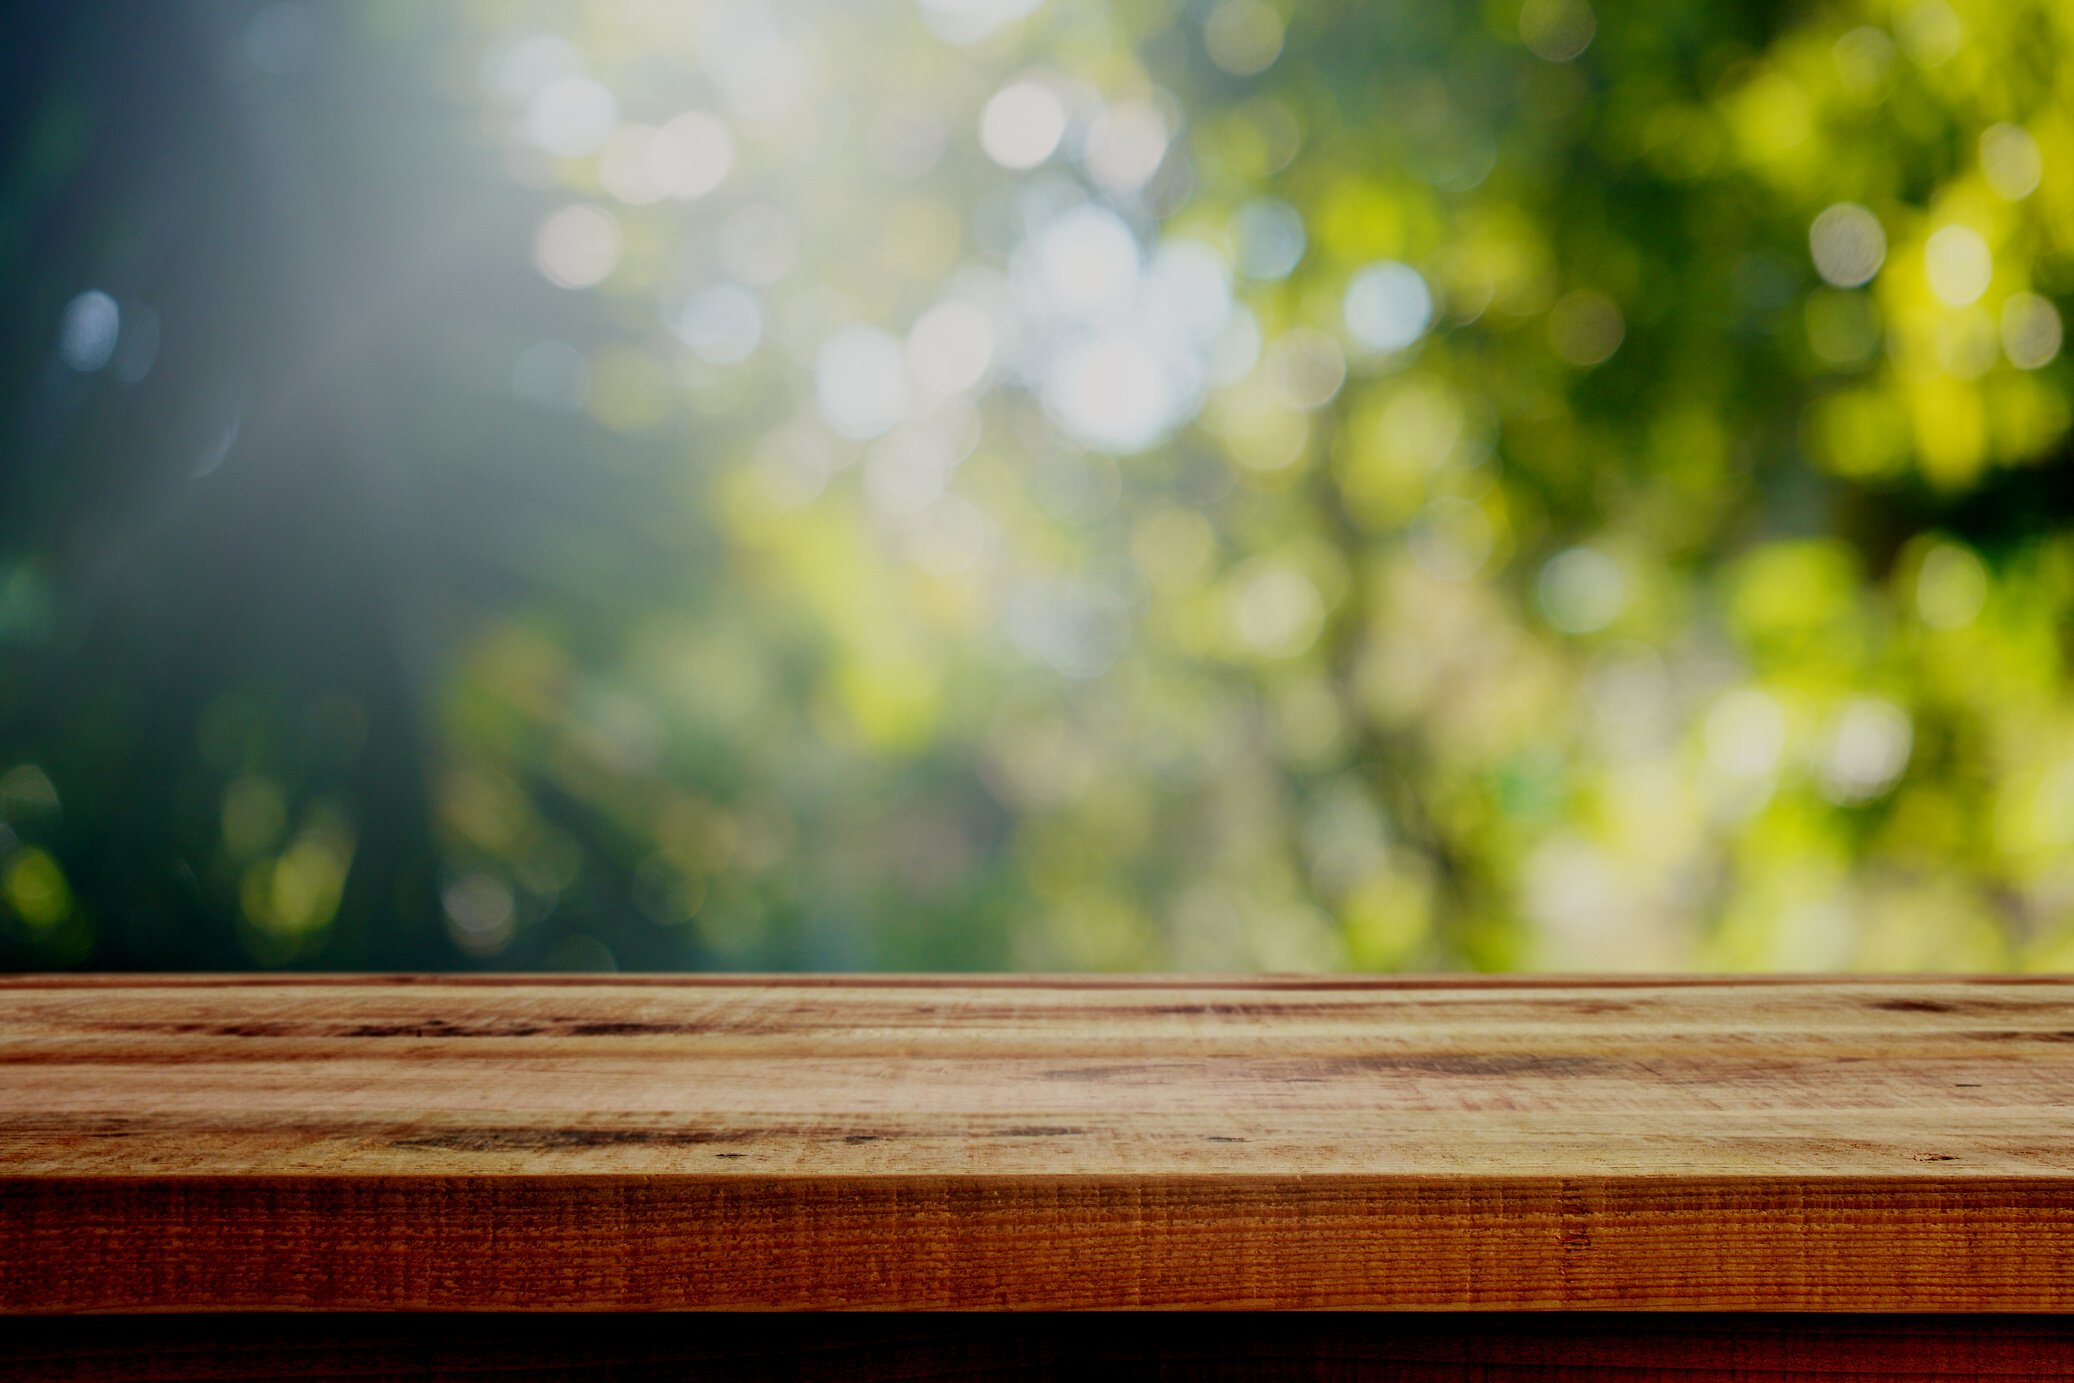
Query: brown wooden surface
(1398, 1348)
(642, 1143)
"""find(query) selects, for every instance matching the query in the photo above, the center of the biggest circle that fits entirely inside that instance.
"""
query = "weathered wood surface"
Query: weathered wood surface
(628, 1143)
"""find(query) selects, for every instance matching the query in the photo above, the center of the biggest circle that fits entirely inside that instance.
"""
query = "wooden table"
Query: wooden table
(470, 1144)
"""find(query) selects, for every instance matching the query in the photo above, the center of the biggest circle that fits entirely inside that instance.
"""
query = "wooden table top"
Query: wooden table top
(650, 1142)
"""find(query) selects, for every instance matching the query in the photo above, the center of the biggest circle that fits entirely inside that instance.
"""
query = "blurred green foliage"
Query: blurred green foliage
(982, 484)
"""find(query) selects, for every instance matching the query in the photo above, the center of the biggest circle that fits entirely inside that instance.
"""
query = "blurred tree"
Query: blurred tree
(985, 484)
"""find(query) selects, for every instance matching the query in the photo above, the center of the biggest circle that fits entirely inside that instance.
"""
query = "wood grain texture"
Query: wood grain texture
(648, 1143)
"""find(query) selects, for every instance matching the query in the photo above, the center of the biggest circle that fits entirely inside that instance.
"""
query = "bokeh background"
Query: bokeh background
(1212, 484)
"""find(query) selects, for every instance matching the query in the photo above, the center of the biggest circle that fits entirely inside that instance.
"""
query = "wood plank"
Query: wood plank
(1455, 1347)
(685, 1142)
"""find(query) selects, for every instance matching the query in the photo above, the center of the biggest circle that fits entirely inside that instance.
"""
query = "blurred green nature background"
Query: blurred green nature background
(1037, 484)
